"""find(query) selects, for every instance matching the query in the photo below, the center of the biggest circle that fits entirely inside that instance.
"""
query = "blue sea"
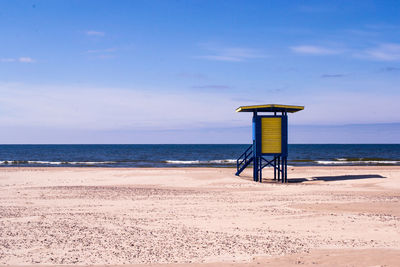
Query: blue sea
(189, 155)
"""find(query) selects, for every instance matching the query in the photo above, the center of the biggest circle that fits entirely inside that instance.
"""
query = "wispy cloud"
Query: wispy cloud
(390, 69)
(383, 26)
(366, 33)
(314, 9)
(8, 60)
(338, 75)
(26, 60)
(109, 108)
(189, 75)
(242, 100)
(105, 56)
(211, 86)
(95, 33)
(314, 50)
(20, 59)
(230, 54)
(384, 52)
(106, 53)
(106, 50)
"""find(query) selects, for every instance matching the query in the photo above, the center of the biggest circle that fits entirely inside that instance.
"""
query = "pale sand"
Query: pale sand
(330, 216)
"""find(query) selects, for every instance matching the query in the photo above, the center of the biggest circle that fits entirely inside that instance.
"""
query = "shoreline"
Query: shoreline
(200, 167)
(185, 165)
(205, 216)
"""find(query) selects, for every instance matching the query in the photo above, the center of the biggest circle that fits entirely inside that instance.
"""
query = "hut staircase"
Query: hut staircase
(244, 160)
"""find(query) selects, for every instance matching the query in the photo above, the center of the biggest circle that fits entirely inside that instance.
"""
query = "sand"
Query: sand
(203, 216)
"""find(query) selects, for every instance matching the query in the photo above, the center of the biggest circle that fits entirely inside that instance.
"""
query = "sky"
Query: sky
(175, 71)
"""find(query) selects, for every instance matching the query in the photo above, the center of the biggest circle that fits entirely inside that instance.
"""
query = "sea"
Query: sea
(224, 155)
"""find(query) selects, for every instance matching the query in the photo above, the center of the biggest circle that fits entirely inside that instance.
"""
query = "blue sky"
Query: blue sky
(175, 71)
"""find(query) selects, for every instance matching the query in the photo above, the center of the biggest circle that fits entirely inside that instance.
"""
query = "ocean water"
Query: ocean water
(189, 155)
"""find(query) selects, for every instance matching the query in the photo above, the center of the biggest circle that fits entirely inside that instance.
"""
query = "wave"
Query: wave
(217, 161)
(366, 159)
(224, 161)
(356, 162)
(21, 162)
(94, 163)
(91, 162)
(182, 161)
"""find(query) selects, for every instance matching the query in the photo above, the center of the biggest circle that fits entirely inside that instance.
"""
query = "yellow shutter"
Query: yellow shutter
(271, 135)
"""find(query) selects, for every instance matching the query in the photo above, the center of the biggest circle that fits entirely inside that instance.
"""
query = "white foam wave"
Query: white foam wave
(15, 162)
(183, 161)
(223, 161)
(44, 162)
(218, 161)
(89, 162)
(328, 162)
(338, 162)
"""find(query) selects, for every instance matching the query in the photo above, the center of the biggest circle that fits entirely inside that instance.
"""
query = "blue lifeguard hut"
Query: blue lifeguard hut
(270, 140)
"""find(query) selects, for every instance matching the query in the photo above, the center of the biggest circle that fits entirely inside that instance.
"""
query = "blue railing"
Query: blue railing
(244, 160)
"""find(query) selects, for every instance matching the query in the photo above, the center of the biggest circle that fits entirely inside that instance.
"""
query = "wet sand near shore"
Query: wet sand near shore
(202, 216)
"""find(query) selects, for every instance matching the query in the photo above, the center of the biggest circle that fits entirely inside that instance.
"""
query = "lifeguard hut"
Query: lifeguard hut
(270, 140)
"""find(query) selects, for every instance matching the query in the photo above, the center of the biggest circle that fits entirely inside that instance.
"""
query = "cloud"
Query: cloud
(314, 9)
(106, 50)
(76, 107)
(384, 52)
(339, 75)
(26, 60)
(95, 33)
(7, 60)
(314, 50)
(345, 134)
(383, 26)
(140, 111)
(108, 56)
(20, 59)
(189, 75)
(211, 86)
(390, 69)
(106, 53)
(362, 33)
(221, 58)
(230, 54)
(244, 101)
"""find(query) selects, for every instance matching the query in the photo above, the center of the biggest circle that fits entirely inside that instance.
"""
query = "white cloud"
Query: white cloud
(384, 52)
(314, 50)
(315, 9)
(76, 107)
(142, 111)
(329, 107)
(230, 54)
(26, 60)
(103, 56)
(106, 50)
(95, 33)
(222, 58)
(20, 59)
(7, 60)
(106, 53)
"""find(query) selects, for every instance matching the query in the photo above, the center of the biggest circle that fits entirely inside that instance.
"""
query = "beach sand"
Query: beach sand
(204, 216)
